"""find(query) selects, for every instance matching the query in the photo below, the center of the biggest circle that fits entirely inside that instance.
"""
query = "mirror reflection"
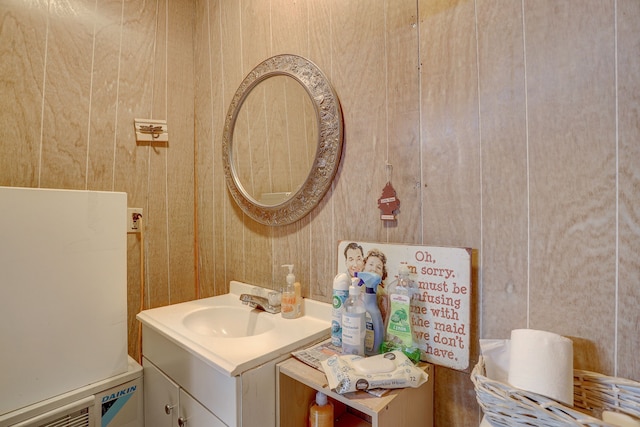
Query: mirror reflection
(282, 140)
(275, 140)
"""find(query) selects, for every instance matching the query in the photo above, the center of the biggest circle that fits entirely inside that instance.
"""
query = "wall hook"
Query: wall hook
(148, 130)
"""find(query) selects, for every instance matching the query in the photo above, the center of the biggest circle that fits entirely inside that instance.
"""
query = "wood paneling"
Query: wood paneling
(503, 142)
(402, 121)
(499, 119)
(450, 152)
(512, 127)
(450, 139)
(157, 238)
(23, 35)
(359, 75)
(572, 169)
(180, 161)
(104, 95)
(323, 241)
(66, 96)
(135, 93)
(206, 63)
(628, 295)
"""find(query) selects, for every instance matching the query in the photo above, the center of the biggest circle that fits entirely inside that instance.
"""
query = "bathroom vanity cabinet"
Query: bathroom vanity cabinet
(181, 387)
(168, 405)
(212, 361)
(298, 383)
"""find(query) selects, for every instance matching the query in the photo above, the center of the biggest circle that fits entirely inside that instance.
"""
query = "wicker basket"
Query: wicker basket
(507, 406)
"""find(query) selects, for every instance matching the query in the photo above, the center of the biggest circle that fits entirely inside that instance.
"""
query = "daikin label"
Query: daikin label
(114, 403)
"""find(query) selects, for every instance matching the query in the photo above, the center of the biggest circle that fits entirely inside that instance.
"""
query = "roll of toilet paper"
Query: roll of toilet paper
(485, 422)
(542, 362)
(621, 420)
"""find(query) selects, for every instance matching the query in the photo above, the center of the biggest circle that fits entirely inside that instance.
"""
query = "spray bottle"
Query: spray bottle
(373, 317)
(340, 294)
(353, 328)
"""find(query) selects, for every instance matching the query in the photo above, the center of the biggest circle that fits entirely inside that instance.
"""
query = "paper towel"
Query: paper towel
(542, 362)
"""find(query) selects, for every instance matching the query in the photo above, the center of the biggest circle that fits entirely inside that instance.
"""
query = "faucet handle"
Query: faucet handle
(275, 298)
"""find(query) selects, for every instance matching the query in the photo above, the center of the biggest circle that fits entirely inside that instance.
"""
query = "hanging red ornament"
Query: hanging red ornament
(388, 203)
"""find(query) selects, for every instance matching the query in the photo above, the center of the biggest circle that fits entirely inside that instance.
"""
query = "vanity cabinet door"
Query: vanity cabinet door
(160, 398)
(193, 414)
(167, 405)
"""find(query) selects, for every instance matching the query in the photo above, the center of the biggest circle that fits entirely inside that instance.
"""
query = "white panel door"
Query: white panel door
(161, 398)
(193, 414)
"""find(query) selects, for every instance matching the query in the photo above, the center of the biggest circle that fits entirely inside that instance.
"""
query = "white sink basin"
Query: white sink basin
(233, 337)
(228, 322)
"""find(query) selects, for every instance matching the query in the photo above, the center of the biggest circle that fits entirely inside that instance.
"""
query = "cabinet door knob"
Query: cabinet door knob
(168, 409)
(182, 422)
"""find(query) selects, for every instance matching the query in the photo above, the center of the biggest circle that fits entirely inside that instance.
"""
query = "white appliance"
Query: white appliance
(113, 402)
(63, 309)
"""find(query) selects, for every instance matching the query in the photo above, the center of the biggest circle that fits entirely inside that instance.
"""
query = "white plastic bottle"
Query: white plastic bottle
(353, 326)
(288, 306)
(340, 294)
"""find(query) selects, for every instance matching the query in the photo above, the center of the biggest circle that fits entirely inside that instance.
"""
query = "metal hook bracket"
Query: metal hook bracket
(148, 130)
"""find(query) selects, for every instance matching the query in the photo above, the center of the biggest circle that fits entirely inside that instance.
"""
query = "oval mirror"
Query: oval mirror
(282, 140)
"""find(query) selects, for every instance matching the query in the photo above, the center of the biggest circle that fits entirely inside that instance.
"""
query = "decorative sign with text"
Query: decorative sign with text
(440, 302)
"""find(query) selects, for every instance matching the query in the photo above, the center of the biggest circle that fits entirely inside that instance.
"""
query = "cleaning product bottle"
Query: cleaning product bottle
(373, 317)
(353, 328)
(288, 305)
(321, 412)
(340, 294)
(398, 330)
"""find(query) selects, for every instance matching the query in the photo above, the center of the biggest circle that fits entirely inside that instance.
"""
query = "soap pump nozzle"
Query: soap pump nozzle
(291, 278)
(370, 280)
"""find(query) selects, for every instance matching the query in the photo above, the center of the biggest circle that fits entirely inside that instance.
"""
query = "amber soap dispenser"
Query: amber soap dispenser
(321, 412)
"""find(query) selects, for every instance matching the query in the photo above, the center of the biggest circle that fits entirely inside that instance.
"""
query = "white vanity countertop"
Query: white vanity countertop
(235, 355)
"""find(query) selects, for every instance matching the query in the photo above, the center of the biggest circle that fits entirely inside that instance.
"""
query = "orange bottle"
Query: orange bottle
(321, 412)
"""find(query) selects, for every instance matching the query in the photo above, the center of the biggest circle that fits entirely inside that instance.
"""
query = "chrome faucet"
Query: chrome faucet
(260, 303)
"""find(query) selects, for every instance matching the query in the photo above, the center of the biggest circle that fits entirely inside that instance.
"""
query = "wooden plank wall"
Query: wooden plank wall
(512, 127)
